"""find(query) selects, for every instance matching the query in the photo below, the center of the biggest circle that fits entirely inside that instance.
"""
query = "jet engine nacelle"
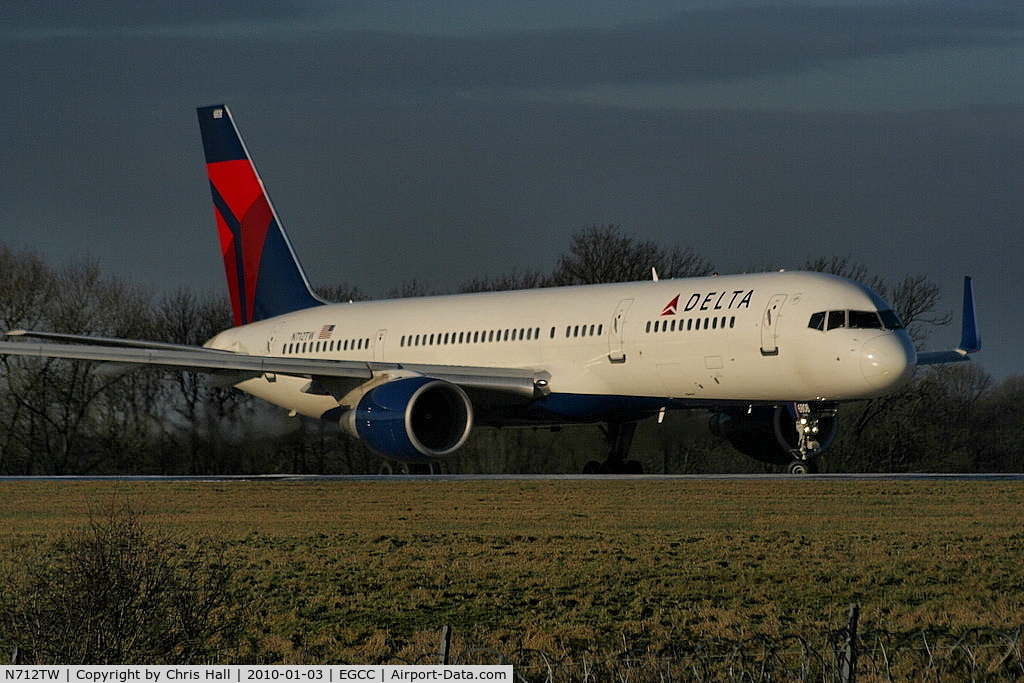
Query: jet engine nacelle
(413, 419)
(769, 433)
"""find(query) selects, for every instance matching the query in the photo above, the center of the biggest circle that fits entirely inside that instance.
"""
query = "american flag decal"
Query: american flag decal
(326, 331)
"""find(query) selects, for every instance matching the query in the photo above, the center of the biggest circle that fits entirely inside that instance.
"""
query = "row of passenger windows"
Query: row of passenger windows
(326, 346)
(581, 331)
(857, 320)
(474, 337)
(444, 338)
(506, 335)
(691, 324)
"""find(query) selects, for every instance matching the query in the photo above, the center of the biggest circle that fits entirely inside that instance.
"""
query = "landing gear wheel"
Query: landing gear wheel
(592, 467)
(408, 468)
(802, 467)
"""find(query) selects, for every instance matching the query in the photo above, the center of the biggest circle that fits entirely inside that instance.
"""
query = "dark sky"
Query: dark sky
(439, 141)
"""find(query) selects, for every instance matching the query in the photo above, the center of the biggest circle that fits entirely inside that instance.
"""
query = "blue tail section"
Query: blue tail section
(264, 276)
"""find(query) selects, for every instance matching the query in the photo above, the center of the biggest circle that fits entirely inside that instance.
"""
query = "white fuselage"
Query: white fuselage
(699, 341)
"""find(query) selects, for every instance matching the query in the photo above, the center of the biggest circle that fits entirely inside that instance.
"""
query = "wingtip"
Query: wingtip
(970, 337)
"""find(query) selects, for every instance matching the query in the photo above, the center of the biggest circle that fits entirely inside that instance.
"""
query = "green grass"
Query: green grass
(356, 571)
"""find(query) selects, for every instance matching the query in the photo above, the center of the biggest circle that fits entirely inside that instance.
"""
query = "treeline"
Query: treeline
(62, 417)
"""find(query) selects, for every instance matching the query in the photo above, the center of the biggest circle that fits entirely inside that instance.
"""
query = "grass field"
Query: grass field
(359, 571)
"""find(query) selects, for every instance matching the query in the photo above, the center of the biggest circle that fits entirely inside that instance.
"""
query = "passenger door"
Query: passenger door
(770, 325)
(617, 332)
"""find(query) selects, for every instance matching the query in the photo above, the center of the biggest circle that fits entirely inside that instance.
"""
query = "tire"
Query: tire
(800, 467)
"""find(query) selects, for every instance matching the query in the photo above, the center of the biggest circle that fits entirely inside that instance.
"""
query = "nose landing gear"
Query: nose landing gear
(807, 422)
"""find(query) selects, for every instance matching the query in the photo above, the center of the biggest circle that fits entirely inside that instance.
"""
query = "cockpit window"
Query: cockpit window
(836, 319)
(857, 320)
(865, 320)
(890, 320)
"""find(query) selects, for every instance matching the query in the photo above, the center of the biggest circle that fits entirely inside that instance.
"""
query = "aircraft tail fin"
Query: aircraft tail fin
(264, 276)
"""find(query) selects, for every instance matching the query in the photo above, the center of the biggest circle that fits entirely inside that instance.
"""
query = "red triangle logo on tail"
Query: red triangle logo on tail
(670, 309)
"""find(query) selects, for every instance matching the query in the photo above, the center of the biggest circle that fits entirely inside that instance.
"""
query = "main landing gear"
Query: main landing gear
(388, 467)
(619, 437)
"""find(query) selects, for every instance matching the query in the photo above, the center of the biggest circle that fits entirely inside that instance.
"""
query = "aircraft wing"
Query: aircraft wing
(970, 338)
(517, 381)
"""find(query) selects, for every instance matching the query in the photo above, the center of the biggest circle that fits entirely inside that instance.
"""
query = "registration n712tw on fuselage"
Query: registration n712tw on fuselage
(771, 355)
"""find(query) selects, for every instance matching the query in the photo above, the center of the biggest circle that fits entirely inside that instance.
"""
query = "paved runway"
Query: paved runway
(541, 477)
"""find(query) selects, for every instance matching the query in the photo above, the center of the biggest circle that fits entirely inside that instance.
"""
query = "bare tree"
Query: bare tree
(503, 283)
(601, 254)
(63, 417)
(996, 429)
(342, 293)
(200, 411)
(26, 283)
(413, 287)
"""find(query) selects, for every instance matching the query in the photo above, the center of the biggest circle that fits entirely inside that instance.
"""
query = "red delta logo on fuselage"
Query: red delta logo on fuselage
(711, 301)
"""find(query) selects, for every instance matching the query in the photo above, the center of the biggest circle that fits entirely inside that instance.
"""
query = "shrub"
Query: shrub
(114, 592)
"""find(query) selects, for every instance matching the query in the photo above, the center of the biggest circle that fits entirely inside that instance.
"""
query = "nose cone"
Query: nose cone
(887, 361)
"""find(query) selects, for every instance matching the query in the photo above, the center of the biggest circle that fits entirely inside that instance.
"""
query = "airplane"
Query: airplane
(771, 355)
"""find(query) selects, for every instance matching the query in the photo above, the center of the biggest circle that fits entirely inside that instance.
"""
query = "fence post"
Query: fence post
(848, 663)
(446, 643)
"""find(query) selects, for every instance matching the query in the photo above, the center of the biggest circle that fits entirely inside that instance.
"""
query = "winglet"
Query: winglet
(970, 338)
